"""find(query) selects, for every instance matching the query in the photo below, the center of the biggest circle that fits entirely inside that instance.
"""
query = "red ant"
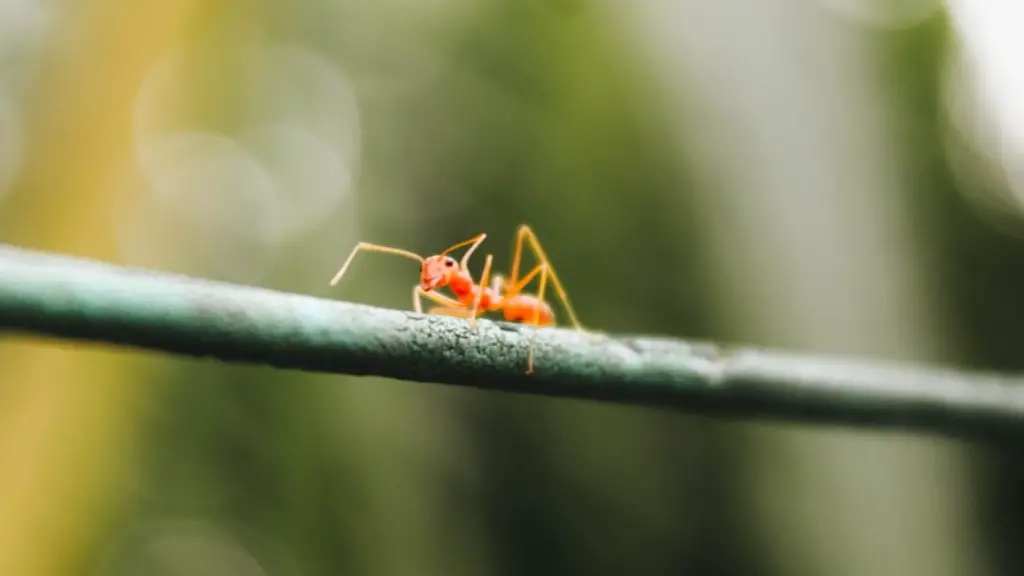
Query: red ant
(472, 299)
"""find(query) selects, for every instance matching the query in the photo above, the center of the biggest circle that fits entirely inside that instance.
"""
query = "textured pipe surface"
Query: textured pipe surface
(75, 299)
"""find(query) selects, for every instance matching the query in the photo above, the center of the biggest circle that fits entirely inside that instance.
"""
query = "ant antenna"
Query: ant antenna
(475, 241)
(463, 243)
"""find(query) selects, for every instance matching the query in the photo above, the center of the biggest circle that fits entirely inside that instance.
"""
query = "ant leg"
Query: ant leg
(535, 321)
(448, 306)
(480, 289)
(373, 248)
(545, 273)
(517, 288)
(526, 234)
(517, 257)
(418, 293)
(498, 284)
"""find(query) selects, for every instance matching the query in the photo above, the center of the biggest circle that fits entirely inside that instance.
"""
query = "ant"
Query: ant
(472, 299)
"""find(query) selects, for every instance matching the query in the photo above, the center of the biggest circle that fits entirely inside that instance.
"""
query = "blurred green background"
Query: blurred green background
(839, 176)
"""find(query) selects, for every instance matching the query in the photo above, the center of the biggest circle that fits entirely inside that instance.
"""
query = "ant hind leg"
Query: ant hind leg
(544, 271)
(526, 235)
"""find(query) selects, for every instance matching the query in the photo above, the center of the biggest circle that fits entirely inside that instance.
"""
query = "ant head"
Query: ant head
(437, 271)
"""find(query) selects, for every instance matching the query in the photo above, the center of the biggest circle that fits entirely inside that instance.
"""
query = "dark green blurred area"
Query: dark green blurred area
(783, 175)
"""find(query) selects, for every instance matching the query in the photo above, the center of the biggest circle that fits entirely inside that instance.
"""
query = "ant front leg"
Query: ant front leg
(448, 306)
(417, 302)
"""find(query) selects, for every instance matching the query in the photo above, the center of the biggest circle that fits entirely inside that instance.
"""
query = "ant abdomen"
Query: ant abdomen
(528, 310)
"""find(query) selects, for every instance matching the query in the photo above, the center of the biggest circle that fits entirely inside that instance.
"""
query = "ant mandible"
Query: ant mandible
(472, 299)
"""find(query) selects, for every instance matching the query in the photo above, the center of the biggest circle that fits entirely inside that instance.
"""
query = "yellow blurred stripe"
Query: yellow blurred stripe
(67, 416)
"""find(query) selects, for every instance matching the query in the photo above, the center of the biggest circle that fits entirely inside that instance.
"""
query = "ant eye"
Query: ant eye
(449, 262)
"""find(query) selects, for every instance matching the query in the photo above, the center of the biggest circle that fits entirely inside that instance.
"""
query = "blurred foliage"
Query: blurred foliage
(256, 142)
